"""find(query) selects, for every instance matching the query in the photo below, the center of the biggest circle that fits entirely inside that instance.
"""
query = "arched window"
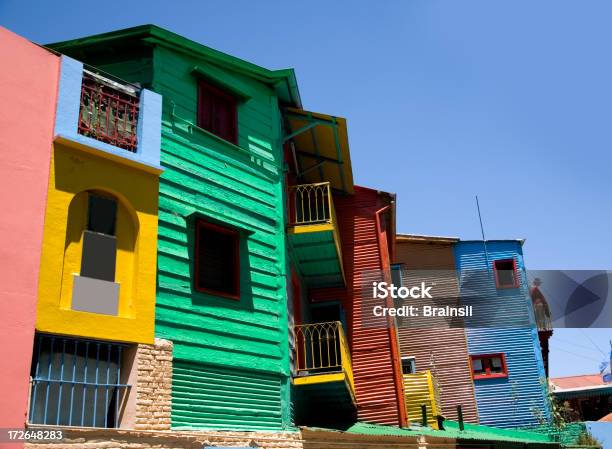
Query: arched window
(99, 252)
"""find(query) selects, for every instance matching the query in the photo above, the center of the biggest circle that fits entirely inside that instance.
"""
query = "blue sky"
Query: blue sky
(444, 99)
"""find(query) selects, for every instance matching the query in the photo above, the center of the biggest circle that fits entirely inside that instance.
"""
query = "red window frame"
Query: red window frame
(203, 225)
(488, 374)
(205, 118)
(498, 284)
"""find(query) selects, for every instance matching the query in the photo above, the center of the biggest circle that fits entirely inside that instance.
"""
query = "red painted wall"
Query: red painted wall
(379, 397)
(28, 89)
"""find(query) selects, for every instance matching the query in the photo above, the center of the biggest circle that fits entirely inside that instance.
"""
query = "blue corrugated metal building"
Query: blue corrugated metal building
(505, 355)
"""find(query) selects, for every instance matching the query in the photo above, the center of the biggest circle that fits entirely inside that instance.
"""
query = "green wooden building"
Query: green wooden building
(222, 250)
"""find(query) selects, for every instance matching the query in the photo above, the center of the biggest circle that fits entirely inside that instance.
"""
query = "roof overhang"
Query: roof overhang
(414, 238)
(590, 391)
(320, 148)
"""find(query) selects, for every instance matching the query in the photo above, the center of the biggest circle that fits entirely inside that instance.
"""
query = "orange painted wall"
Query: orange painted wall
(28, 89)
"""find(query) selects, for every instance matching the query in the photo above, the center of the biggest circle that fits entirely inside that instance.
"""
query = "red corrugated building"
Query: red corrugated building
(345, 361)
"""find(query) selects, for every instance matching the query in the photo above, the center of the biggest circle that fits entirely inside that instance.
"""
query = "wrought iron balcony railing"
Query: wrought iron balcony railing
(311, 204)
(322, 348)
(109, 112)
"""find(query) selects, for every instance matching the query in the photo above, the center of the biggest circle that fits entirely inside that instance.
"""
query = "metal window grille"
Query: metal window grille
(109, 112)
(76, 382)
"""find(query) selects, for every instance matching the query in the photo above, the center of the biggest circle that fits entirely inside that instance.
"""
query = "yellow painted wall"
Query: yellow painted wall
(73, 173)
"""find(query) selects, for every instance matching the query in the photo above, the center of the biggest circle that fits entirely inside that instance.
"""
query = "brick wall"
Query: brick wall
(153, 388)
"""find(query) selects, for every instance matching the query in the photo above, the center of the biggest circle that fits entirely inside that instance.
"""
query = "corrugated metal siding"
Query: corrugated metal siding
(442, 350)
(513, 401)
(418, 389)
(373, 366)
(232, 371)
(209, 397)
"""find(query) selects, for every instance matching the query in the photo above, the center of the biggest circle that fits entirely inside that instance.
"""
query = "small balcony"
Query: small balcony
(109, 117)
(323, 374)
(313, 234)
(421, 389)
(109, 111)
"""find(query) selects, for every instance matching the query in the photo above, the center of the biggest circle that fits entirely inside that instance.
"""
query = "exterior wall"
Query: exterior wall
(442, 350)
(231, 365)
(153, 388)
(28, 88)
(230, 370)
(74, 172)
(513, 401)
(379, 397)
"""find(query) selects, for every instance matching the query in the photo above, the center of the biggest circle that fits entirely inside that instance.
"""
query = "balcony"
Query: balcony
(421, 389)
(109, 111)
(313, 234)
(103, 115)
(323, 374)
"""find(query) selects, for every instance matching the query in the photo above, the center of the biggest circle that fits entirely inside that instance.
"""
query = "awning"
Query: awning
(320, 148)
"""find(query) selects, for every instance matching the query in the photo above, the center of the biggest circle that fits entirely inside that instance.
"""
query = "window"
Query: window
(396, 274)
(217, 260)
(217, 112)
(77, 382)
(408, 365)
(489, 366)
(99, 241)
(506, 275)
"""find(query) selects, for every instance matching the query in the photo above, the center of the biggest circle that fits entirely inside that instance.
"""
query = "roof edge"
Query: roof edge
(163, 36)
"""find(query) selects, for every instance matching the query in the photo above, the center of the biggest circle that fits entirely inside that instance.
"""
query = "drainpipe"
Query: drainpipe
(393, 338)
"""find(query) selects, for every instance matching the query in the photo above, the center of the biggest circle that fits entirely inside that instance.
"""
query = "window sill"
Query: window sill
(506, 287)
(490, 376)
(218, 293)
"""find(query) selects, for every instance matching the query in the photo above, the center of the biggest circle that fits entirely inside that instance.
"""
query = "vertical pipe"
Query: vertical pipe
(393, 339)
(460, 417)
(440, 422)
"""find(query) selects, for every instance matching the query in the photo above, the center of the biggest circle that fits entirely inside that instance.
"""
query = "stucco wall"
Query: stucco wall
(28, 88)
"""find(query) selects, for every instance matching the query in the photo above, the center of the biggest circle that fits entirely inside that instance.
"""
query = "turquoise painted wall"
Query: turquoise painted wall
(231, 358)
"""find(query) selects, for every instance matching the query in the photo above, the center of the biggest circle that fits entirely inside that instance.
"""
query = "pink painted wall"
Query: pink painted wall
(28, 93)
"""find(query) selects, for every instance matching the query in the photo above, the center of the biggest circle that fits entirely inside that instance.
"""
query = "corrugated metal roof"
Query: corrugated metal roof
(451, 430)
(578, 382)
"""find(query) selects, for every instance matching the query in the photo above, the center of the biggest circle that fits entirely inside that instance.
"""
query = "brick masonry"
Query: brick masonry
(153, 388)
